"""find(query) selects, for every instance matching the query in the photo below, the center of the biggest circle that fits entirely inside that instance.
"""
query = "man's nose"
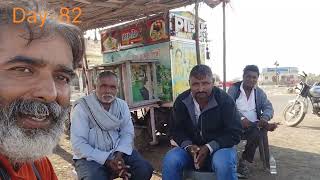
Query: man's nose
(108, 90)
(201, 88)
(252, 80)
(46, 90)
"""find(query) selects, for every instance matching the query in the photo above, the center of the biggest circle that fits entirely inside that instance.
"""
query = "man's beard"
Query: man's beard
(108, 98)
(21, 145)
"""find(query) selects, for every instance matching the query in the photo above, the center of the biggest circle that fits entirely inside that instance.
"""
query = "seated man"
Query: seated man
(34, 89)
(102, 135)
(206, 125)
(255, 110)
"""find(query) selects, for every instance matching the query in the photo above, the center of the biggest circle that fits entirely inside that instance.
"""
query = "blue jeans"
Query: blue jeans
(223, 162)
(140, 169)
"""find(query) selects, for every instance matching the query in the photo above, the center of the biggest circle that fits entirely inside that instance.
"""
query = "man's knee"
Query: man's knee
(144, 171)
(224, 160)
(90, 170)
(95, 174)
(174, 158)
(252, 135)
(92, 174)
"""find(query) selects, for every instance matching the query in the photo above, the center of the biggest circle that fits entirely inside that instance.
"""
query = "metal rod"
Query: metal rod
(153, 127)
(224, 45)
(86, 73)
(197, 32)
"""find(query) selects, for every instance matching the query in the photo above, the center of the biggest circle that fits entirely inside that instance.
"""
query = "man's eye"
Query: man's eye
(22, 69)
(63, 78)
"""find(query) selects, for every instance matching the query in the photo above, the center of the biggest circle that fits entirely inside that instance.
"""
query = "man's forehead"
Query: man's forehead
(11, 34)
(53, 50)
(251, 73)
(108, 80)
(200, 78)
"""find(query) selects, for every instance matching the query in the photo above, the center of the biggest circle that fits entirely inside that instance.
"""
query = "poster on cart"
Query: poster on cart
(158, 52)
(183, 58)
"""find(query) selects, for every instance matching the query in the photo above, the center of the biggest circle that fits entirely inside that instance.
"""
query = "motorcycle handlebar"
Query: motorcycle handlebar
(305, 75)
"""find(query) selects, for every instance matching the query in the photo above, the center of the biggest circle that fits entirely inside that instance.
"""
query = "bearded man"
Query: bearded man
(36, 68)
(102, 135)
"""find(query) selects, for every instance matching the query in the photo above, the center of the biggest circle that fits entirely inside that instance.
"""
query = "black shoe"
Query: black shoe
(242, 170)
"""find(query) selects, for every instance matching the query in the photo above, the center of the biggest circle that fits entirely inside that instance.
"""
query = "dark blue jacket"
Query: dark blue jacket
(218, 125)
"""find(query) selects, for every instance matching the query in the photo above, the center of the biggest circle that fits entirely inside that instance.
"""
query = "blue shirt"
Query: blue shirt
(80, 134)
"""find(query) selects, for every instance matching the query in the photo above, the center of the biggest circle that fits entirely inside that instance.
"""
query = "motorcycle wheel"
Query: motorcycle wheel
(296, 115)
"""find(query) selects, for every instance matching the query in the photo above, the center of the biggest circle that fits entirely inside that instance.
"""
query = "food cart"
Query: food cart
(167, 37)
(153, 57)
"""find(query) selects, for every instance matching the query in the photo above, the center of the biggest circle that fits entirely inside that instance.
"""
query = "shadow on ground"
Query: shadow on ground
(63, 154)
(294, 165)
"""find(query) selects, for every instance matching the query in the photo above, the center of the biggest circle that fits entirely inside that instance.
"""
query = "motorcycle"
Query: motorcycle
(296, 110)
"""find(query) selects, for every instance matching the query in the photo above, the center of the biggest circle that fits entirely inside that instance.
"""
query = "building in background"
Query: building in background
(280, 75)
(94, 57)
(93, 52)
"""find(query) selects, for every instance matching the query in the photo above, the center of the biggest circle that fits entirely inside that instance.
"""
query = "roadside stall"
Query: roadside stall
(167, 38)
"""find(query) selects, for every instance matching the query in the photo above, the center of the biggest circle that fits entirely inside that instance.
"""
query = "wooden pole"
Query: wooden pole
(197, 32)
(224, 45)
(85, 70)
(86, 76)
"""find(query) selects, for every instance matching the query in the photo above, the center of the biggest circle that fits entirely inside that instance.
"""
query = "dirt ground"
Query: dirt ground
(296, 150)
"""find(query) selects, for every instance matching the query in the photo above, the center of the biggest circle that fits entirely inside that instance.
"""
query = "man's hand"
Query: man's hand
(118, 166)
(124, 174)
(123, 168)
(245, 123)
(112, 165)
(272, 126)
(119, 160)
(202, 155)
(263, 123)
(194, 150)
